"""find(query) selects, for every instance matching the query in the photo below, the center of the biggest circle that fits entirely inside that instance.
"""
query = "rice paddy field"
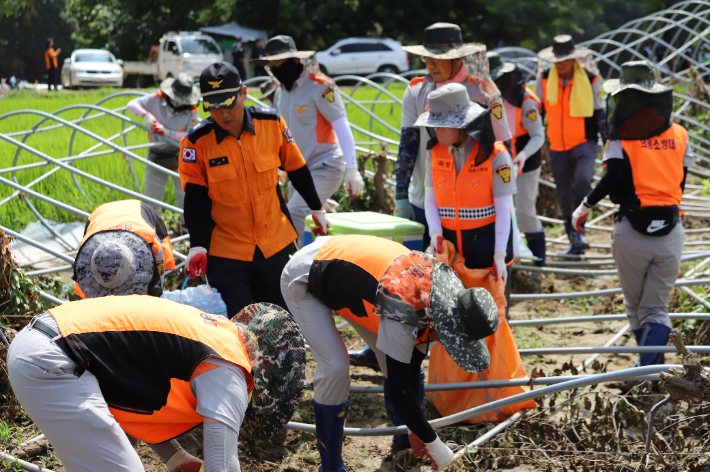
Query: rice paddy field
(113, 166)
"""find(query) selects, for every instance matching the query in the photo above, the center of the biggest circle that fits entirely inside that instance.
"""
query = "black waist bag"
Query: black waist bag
(653, 220)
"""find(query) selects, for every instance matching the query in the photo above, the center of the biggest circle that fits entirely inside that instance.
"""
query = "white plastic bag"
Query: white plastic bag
(202, 297)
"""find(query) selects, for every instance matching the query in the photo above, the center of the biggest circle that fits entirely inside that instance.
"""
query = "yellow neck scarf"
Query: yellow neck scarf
(581, 98)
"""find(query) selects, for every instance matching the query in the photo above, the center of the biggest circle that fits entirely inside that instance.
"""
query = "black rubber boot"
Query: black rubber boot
(365, 357)
(536, 243)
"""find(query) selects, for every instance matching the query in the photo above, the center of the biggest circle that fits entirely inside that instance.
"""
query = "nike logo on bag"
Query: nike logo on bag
(656, 225)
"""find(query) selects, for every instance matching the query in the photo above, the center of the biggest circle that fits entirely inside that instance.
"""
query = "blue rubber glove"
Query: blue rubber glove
(403, 209)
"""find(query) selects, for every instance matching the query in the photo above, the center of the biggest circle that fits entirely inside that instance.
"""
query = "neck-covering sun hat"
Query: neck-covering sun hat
(281, 47)
(115, 262)
(638, 106)
(497, 66)
(563, 49)
(182, 90)
(420, 291)
(444, 41)
(220, 83)
(451, 107)
(277, 351)
(508, 78)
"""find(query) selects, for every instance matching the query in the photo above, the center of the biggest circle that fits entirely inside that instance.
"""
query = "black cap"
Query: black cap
(219, 84)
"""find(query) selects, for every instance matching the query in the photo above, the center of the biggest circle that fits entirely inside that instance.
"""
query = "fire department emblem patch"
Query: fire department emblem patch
(503, 172)
(329, 94)
(287, 135)
(532, 115)
(497, 111)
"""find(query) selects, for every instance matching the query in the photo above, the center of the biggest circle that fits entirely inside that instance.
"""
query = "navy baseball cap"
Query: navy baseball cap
(219, 84)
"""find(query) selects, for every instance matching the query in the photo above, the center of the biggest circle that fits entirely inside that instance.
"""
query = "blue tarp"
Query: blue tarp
(236, 31)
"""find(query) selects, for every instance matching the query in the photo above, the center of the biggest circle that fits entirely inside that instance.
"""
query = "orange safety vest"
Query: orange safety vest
(657, 166)
(465, 201)
(521, 137)
(50, 58)
(346, 272)
(144, 351)
(564, 131)
(136, 217)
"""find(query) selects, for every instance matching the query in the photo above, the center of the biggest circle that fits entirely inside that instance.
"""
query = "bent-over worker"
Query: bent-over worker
(647, 159)
(240, 227)
(398, 301)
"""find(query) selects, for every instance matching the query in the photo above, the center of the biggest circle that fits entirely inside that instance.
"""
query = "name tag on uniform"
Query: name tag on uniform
(444, 164)
(218, 161)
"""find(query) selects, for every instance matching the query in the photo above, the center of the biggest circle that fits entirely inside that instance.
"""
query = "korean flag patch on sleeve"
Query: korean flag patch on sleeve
(189, 155)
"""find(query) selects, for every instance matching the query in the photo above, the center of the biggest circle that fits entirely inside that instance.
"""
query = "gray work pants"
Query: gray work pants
(525, 200)
(331, 382)
(573, 171)
(648, 268)
(327, 180)
(155, 181)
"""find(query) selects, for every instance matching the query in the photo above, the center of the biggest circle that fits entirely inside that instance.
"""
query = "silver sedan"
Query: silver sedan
(92, 68)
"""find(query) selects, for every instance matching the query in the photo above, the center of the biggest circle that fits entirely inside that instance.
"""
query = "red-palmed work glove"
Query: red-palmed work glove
(437, 241)
(196, 262)
(322, 223)
(580, 216)
(418, 446)
(181, 461)
(439, 453)
(499, 269)
(157, 128)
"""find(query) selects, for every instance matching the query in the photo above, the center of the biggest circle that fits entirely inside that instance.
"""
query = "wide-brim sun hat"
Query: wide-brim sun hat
(636, 75)
(497, 66)
(114, 262)
(450, 107)
(562, 50)
(444, 41)
(181, 89)
(281, 47)
(277, 351)
(462, 318)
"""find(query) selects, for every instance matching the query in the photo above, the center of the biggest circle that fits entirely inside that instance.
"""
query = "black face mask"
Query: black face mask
(512, 87)
(636, 115)
(288, 73)
(175, 107)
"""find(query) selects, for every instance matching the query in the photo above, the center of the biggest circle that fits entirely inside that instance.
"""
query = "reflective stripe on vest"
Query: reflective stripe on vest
(346, 272)
(143, 351)
(564, 131)
(127, 215)
(465, 201)
(657, 166)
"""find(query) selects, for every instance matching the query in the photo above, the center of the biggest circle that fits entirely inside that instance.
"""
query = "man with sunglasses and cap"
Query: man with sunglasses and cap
(399, 301)
(647, 159)
(447, 60)
(240, 227)
(572, 101)
(169, 114)
(523, 108)
(311, 105)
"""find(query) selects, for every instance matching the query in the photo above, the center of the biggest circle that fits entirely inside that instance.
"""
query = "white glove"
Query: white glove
(148, 119)
(437, 241)
(439, 453)
(182, 461)
(353, 182)
(580, 216)
(322, 223)
(520, 159)
(196, 262)
(499, 269)
(403, 209)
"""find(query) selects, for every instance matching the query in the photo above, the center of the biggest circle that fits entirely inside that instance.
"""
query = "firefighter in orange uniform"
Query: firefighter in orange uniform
(647, 159)
(50, 61)
(125, 250)
(91, 372)
(240, 227)
(572, 101)
(400, 302)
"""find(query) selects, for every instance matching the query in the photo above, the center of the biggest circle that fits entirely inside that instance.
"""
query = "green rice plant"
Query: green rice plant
(6, 432)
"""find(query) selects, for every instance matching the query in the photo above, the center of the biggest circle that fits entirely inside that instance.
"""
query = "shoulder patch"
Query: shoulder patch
(416, 80)
(497, 110)
(189, 155)
(203, 128)
(503, 171)
(321, 79)
(532, 115)
(329, 94)
(264, 113)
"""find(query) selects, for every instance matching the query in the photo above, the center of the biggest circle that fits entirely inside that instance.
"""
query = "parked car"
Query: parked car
(187, 51)
(363, 56)
(92, 68)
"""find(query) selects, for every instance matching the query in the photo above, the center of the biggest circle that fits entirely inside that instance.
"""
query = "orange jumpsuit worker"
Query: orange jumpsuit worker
(240, 227)
(571, 100)
(647, 159)
(125, 250)
(50, 61)
(91, 372)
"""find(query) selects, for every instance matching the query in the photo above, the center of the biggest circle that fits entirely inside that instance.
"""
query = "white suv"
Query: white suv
(363, 56)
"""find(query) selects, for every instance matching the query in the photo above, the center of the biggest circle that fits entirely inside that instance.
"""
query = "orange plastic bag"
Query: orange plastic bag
(505, 360)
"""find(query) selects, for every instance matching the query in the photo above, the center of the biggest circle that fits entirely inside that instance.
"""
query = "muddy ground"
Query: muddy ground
(598, 429)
